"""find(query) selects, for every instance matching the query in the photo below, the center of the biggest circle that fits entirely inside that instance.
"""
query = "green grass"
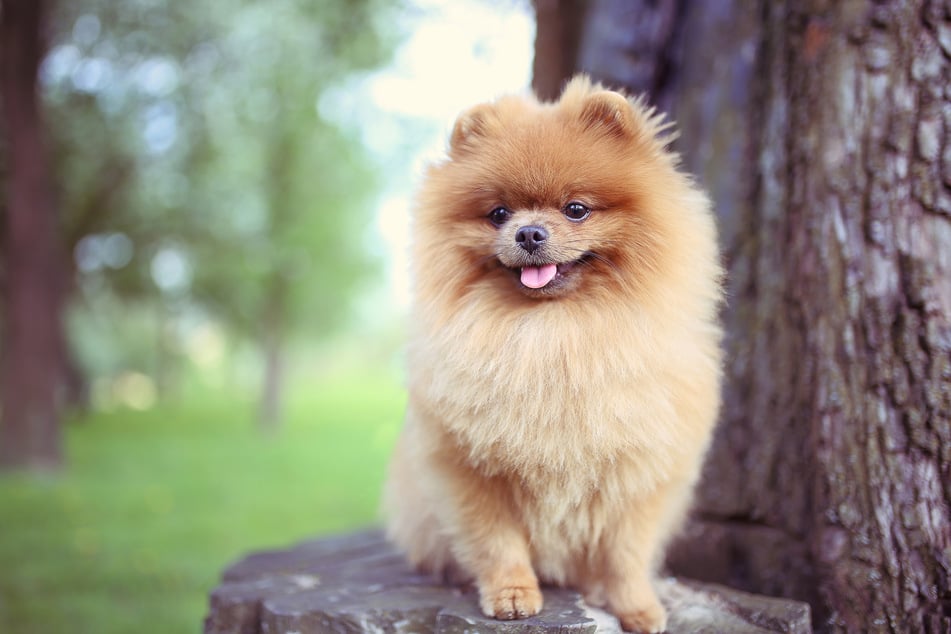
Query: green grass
(153, 505)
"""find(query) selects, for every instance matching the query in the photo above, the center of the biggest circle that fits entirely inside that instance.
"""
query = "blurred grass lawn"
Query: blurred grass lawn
(153, 505)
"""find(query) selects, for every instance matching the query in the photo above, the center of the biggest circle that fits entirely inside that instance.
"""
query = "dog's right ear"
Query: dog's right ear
(471, 125)
(608, 111)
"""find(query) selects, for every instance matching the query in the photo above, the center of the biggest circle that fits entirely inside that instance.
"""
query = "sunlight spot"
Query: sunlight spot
(305, 582)
(97, 251)
(160, 128)
(92, 74)
(171, 270)
(157, 76)
(86, 254)
(117, 250)
(59, 64)
(134, 390)
(87, 29)
(206, 345)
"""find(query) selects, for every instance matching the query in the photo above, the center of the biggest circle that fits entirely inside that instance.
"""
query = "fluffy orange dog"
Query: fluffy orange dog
(564, 363)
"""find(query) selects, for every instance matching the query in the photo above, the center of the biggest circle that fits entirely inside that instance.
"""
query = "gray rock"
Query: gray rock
(706, 608)
(563, 613)
(358, 584)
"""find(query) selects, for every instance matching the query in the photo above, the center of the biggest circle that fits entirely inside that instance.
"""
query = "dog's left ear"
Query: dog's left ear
(608, 111)
(470, 126)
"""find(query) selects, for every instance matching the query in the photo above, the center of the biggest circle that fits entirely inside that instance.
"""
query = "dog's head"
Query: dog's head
(551, 200)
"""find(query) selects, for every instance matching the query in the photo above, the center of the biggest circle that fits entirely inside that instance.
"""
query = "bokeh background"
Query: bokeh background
(233, 181)
(229, 181)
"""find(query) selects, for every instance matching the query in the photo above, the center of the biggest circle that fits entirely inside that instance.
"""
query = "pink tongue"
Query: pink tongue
(538, 276)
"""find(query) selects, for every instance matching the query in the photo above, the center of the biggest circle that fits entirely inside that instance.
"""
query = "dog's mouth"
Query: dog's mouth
(548, 278)
(536, 277)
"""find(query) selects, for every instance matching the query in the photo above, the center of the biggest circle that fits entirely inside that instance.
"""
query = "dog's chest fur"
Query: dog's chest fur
(537, 400)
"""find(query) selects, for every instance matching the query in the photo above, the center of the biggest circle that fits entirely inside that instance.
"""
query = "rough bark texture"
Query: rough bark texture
(31, 340)
(358, 583)
(821, 130)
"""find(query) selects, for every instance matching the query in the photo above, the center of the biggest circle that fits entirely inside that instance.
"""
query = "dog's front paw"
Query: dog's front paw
(512, 602)
(649, 619)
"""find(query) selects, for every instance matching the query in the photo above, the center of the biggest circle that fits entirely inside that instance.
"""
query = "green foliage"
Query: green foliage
(194, 166)
(156, 503)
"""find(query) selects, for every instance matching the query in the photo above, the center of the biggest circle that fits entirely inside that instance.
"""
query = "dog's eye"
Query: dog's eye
(499, 215)
(576, 211)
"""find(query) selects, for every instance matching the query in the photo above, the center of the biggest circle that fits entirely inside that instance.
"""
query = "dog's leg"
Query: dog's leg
(488, 541)
(633, 549)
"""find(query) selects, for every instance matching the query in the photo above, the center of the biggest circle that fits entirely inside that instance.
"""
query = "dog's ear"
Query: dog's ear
(608, 111)
(471, 125)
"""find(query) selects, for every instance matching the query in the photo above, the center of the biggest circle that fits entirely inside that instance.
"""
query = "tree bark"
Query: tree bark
(821, 130)
(32, 339)
(556, 44)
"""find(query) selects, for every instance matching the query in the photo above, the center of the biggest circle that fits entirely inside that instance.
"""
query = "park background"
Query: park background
(233, 181)
(211, 198)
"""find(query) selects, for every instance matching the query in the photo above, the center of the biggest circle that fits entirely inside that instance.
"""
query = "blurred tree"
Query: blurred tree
(556, 44)
(199, 176)
(822, 132)
(31, 339)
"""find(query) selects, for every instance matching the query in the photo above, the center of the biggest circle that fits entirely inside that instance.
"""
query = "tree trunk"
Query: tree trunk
(32, 339)
(270, 408)
(556, 44)
(821, 130)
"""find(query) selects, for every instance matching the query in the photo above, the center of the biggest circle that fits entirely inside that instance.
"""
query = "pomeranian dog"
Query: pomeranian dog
(564, 360)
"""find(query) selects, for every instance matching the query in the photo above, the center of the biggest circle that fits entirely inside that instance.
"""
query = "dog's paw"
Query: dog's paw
(513, 602)
(650, 619)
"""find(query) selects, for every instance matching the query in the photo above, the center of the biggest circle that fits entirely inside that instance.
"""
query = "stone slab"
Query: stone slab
(357, 583)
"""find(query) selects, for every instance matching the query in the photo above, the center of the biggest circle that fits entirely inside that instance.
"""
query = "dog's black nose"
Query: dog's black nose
(530, 237)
